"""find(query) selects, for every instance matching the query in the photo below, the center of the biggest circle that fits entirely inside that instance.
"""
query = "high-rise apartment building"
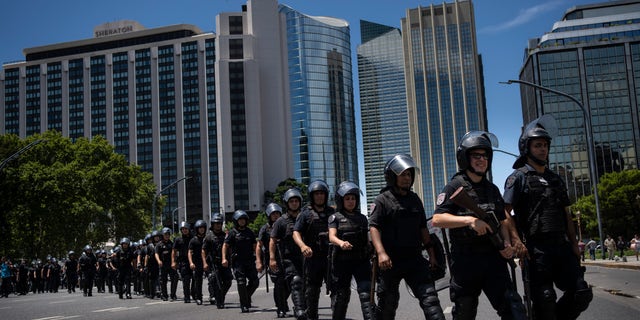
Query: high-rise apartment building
(445, 95)
(383, 101)
(592, 54)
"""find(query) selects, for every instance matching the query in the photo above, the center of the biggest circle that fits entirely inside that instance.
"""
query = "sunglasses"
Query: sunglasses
(478, 156)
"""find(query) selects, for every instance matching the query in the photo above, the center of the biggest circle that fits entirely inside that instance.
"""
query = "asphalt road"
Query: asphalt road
(613, 299)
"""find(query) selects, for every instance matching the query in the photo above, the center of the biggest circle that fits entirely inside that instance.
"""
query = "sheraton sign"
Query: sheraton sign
(115, 28)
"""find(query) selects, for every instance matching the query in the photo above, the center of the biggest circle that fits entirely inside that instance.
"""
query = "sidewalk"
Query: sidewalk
(631, 263)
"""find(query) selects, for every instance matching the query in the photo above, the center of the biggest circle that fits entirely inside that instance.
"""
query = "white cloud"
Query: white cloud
(524, 16)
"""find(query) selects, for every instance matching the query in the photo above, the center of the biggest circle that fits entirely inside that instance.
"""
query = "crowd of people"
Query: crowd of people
(305, 246)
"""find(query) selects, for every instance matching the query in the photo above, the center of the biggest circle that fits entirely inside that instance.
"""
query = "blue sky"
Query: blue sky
(503, 28)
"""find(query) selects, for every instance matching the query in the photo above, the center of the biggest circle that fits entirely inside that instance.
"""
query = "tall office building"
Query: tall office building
(321, 98)
(445, 94)
(147, 91)
(383, 101)
(592, 54)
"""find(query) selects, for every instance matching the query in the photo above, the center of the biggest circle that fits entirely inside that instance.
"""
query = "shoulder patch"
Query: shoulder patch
(510, 181)
(441, 198)
(372, 207)
(332, 218)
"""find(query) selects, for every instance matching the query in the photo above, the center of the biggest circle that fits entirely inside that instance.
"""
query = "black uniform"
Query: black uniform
(71, 272)
(163, 250)
(243, 262)
(88, 268)
(153, 271)
(313, 226)
(289, 260)
(280, 300)
(181, 248)
(539, 202)
(351, 227)
(220, 277)
(195, 246)
(400, 220)
(476, 264)
(125, 268)
(103, 273)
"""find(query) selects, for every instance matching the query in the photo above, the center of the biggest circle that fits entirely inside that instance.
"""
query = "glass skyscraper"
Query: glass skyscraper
(592, 54)
(444, 84)
(383, 101)
(321, 98)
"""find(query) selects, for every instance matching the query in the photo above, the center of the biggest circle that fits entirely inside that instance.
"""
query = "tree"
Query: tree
(62, 195)
(619, 195)
(282, 187)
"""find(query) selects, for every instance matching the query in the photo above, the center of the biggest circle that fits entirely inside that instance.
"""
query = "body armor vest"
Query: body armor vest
(265, 239)
(165, 253)
(317, 235)
(243, 245)
(182, 249)
(544, 213)
(287, 246)
(396, 239)
(465, 235)
(352, 229)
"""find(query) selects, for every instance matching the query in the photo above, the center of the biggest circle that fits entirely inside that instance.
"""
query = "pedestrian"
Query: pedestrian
(591, 246)
(285, 257)
(220, 277)
(180, 260)
(350, 253)
(610, 244)
(195, 259)
(540, 202)
(581, 247)
(5, 275)
(635, 245)
(238, 253)
(621, 245)
(71, 271)
(87, 266)
(273, 212)
(398, 228)
(163, 257)
(473, 239)
(311, 234)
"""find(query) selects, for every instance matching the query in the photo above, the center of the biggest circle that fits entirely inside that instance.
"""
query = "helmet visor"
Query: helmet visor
(487, 135)
(546, 122)
(400, 163)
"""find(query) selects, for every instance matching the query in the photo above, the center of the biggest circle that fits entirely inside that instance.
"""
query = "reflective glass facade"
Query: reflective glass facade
(321, 97)
(444, 85)
(603, 76)
(383, 101)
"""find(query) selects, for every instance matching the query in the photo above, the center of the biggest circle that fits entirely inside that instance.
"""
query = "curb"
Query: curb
(617, 265)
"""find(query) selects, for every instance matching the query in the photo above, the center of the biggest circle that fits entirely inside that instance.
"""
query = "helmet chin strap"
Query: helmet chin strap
(537, 161)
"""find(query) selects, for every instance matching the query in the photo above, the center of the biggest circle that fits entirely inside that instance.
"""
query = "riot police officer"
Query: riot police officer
(398, 227)
(285, 257)
(180, 260)
(125, 268)
(348, 233)
(220, 277)
(152, 266)
(311, 234)
(163, 257)
(71, 271)
(87, 265)
(273, 212)
(540, 203)
(477, 265)
(238, 253)
(103, 272)
(195, 259)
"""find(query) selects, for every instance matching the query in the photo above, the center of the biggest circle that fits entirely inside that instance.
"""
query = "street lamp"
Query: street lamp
(155, 200)
(173, 219)
(590, 150)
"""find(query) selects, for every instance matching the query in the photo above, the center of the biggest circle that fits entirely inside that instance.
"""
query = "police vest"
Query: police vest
(243, 245)
(395, 238)
(164, 251)
(214, 253)
(464, 235)
(266, 237)
(543, 211)
(354, 230)
(317, 233)
(286, 245)
(182, 249)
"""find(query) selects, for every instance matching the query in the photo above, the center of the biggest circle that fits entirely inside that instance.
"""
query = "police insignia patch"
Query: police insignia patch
(510, 181)
(441, 198)
(333, 217)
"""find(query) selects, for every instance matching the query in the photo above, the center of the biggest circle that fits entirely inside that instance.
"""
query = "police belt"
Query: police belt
(548, 238)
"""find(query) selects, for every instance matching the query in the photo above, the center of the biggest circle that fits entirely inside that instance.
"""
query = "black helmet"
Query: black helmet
(125, 240)
(200, 224)
(345, 188)
(398, 164)
(155, 233)
(147, 237)
(240, 214)
(291, 193)
(116, 249)
(321, 186)
(475, 140)
(71, 253)
(185, 224)
(544, 127)
(271, 208)
(87, 248)
(166, 230)
(217, 218)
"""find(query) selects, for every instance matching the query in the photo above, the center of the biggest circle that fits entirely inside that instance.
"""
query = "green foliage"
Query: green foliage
(619, 196)
(282, 187)
(258, 222)
(61, 195)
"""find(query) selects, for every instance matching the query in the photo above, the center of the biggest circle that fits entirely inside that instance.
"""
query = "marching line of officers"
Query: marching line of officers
(303, 246)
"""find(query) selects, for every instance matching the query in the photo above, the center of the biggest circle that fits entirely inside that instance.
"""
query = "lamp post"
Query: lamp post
(579, 229)
(155, 200)
(173, 219)
(590, 149)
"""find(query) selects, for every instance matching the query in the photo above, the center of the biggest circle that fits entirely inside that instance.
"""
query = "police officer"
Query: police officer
(348, 233)
(163, 257)
(220, 277)
(398, 227)
(152, 266)
(285, 257)
(239, 247)
(87, 265)
(540, 203)
(311, 234)
(71, 271)
(125, 268)
(273, 211)
(195, 259)
(180, 260)
(142, 265)
(477, 264)
(103, 272)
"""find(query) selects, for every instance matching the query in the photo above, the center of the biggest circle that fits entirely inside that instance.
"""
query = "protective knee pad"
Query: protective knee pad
(545, 302)
(340, 302)
(466, 307)
(583, 296)
(368, 308)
